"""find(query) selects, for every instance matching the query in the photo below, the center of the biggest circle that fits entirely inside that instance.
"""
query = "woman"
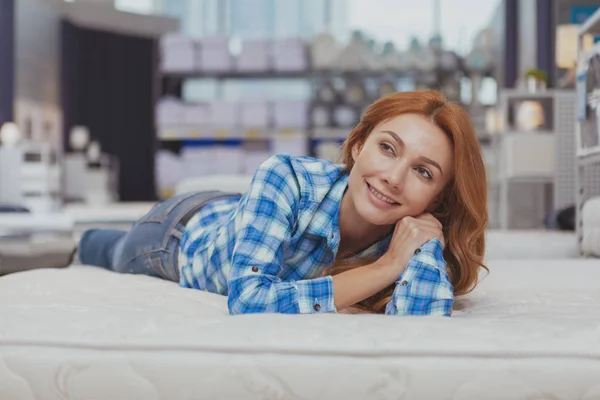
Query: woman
(397, 229)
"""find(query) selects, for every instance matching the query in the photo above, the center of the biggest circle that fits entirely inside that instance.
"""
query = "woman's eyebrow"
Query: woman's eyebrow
(427, 160)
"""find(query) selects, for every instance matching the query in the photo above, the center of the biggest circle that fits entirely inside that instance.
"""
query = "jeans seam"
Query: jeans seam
(207, 197)
(157, 216)
(163, 273)
(172, 207)
(146, 253)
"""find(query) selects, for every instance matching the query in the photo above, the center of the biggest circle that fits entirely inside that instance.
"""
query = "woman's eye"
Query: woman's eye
(425, 172)
(387, 148)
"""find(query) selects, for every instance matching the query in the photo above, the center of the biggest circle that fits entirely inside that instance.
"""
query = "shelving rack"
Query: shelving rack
(587, 177)
(543, 157)
(171, 83)
(175, 138)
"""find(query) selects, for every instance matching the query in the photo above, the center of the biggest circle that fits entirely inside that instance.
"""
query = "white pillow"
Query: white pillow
(590, 215)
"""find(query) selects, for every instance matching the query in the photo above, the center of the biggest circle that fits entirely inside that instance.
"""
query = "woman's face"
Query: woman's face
(400, 170)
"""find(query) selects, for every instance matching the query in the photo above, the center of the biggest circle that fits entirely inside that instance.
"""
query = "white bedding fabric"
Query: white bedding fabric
(530, 331)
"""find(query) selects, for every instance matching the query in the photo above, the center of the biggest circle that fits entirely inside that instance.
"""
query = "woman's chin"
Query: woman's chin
(378, 218)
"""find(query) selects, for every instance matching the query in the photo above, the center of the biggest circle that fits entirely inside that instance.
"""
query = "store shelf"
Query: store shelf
(270, 74)
(529, 178)
(591, 25)
(236, 75)
(183, 133)
(541, 159)
(521, 132)
(588, 156)
(331, 133)
(587, 160)
(521, 94)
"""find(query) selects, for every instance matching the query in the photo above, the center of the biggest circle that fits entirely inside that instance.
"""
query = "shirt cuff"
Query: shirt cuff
(431, 253)
(315, 296)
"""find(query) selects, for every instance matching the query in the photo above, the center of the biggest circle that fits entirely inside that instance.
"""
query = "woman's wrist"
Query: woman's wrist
(357, 284)
(390, 267)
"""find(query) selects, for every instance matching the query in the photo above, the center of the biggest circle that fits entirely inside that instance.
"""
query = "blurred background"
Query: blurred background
(120, 103)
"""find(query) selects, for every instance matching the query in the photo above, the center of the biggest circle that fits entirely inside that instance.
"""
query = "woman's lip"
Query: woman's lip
(380, 200)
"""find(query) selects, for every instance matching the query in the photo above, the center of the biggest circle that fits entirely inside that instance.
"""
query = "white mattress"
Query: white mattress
(108, 213)
(109, 216)
(531, 244)
(531, 331)
(224, 183)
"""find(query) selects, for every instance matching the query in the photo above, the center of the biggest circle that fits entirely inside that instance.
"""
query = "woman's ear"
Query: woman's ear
(437, 204)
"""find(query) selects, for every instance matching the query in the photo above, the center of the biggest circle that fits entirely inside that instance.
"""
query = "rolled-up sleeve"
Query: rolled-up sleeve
(424, 288)
(267, 218)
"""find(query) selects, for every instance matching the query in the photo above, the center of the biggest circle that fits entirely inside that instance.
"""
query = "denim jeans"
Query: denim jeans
(151, 247)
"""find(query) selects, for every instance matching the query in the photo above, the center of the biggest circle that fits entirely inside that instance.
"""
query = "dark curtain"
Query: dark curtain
(511, 59)
(108, 86)
(546, 53)
(7, 59)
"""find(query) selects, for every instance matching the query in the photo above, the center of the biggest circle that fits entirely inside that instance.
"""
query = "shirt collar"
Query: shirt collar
(377, 249)
(333, 234)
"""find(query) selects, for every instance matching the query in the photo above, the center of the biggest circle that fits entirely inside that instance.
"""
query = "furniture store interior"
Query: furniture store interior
(165, 165)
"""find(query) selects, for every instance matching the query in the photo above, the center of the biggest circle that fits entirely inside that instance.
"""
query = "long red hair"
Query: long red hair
(463, 212)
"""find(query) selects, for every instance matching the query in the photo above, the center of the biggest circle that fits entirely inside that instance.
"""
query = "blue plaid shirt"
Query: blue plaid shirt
(267, 250)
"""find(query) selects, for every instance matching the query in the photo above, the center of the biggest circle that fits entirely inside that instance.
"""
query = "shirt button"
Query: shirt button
(317, 307)
(404, 283)
(417, 251)
(254, 269)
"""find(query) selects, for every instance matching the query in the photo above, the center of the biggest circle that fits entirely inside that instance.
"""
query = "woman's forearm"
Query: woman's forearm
(355, 285)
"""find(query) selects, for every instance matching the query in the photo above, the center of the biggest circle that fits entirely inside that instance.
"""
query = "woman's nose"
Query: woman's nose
(396, 177)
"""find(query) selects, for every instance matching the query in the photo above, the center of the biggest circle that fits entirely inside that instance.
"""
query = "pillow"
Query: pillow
(590, 215)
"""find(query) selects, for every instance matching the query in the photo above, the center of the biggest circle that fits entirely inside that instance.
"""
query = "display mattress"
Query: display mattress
(531, 330)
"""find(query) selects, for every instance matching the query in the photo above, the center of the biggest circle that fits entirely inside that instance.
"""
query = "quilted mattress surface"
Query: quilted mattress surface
(530, 331)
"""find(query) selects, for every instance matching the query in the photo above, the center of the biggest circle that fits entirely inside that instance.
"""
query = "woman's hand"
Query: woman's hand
(357, 284)
(409, 234)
